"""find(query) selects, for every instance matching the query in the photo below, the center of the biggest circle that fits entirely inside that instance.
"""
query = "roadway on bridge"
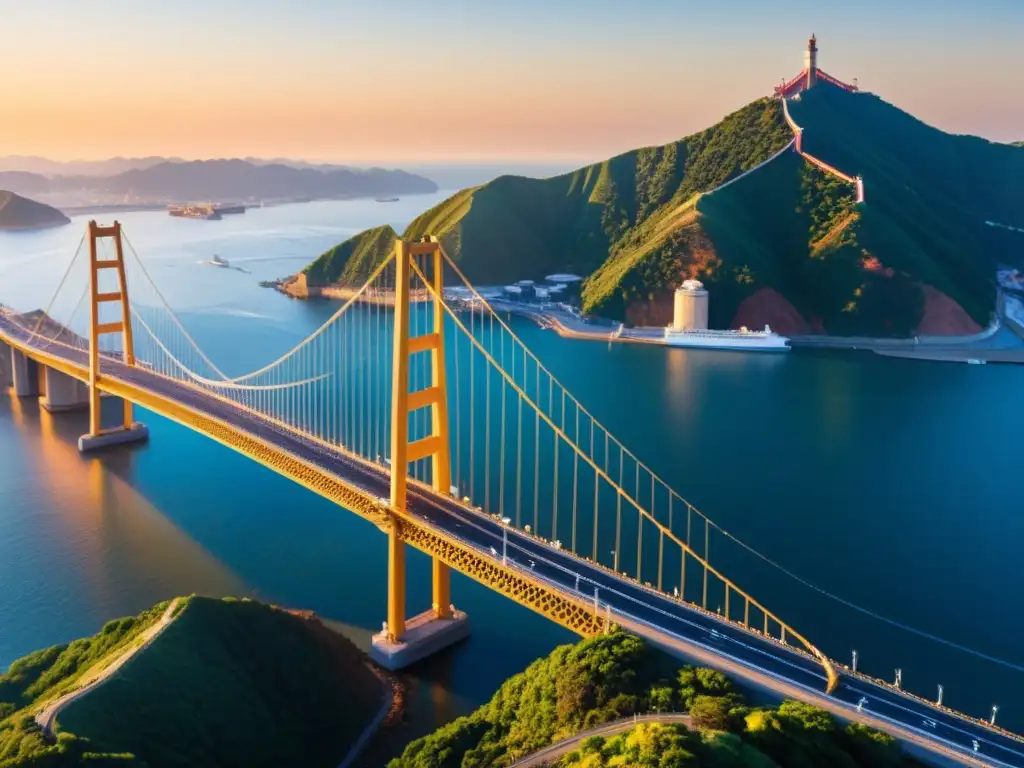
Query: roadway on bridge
(640, 607)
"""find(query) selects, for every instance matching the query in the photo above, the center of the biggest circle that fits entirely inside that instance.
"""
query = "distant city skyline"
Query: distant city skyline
(397, 82)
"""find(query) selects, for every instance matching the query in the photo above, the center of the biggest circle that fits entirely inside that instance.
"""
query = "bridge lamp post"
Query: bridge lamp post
(899, 678)
(854, 661)
(995, 709)
(939, 701)
(504, 539)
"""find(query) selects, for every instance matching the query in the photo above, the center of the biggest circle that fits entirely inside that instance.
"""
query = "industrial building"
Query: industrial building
(690, 312)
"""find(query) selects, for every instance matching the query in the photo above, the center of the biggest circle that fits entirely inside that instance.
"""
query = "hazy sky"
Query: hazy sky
(439, 80)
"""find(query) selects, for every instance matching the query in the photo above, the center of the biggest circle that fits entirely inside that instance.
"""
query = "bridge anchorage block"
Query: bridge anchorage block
(136, 433)
(424, 636)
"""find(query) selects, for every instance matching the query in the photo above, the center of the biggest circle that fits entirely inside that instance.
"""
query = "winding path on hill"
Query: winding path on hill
(48, 715)
(558, 749)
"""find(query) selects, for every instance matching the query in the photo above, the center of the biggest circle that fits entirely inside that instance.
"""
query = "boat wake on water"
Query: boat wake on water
(217, 261)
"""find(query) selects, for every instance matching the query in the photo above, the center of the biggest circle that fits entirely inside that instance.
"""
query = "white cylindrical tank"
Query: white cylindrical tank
(691, 307)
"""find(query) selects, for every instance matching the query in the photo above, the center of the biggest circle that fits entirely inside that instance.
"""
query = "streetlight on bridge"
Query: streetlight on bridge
(504, 539)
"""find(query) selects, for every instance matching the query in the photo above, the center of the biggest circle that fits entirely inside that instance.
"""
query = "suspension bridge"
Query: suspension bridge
(426, 415)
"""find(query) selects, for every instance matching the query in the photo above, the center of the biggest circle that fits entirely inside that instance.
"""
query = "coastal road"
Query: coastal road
(545, 756)
(46, 716)
(677, 627)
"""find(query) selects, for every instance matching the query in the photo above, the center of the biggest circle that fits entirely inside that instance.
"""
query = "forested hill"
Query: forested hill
(515, 227)
(18, 212)
(786, 245)
(227, 683)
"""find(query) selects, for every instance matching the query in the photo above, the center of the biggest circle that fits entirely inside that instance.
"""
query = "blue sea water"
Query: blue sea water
(894, 484)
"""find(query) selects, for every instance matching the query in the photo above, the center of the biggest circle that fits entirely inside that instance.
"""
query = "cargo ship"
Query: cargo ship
(743, 340)
(194, 211)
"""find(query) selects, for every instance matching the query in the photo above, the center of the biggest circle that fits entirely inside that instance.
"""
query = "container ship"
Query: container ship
(194, 211)
(204, 210)
(690, 326)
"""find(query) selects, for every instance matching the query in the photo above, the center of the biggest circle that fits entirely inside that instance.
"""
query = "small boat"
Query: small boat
(975, 361)
(217, 261)
(387, 199)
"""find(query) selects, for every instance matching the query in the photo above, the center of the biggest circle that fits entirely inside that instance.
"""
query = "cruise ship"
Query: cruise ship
(690, 326)
(743, 340)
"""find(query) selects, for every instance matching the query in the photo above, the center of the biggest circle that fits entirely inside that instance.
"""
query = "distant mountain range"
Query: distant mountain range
(786, 244)
(115, 165)
(46, 167)
(159, 180)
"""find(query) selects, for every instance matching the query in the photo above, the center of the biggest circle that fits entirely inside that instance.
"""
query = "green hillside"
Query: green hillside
(929, 193)
(514, 227)
(579, 687)
(352, 261)
(639, 224)
(228, 682)
(35, 679)
(18, 212)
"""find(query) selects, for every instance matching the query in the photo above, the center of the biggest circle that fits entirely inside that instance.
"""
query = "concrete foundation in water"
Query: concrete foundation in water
(425, 635)
(24, 374)
(5, 366)
(137, 433)
(63, 393)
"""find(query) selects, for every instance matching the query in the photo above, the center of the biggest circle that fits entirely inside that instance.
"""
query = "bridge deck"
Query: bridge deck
(537, 575)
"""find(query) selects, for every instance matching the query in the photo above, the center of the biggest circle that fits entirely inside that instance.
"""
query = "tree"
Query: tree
(711, 712)
(698, 681)
(871, 747)
(662, 698)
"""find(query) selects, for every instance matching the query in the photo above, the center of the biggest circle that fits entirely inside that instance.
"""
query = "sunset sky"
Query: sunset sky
(394, 81)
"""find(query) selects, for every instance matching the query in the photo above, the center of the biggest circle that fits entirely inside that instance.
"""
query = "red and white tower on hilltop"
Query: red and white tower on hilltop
(810, 75)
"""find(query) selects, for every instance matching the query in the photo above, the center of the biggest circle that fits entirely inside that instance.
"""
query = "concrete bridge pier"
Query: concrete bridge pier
(5, 366)
(130, 432)
(25, 374)
(62, 392)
